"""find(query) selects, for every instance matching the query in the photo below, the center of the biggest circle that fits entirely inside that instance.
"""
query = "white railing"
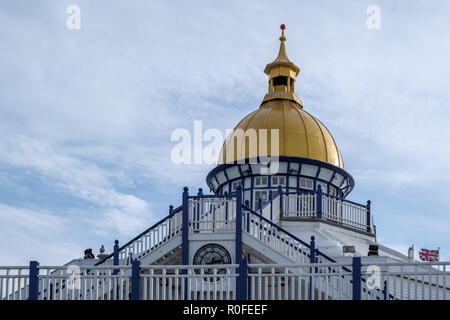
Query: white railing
(274, 237)
(344, 212)
(14, 281)
(212, 214)
(409, 281)
(299, 282)
(152, 239)
(84, 283)
(199, 282)
(300, 205)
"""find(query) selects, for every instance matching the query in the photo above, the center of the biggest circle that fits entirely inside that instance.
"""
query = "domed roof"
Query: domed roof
(300, 134)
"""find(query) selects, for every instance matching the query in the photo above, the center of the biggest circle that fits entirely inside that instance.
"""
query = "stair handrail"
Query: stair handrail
(318, 252)
(246, 208)
(175, 211)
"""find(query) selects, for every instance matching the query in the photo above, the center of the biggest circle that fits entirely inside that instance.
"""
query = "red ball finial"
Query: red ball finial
(282, 27)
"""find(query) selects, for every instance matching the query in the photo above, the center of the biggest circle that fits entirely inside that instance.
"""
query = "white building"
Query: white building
(277, 226)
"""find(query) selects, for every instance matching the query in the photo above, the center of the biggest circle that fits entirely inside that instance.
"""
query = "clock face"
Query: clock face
(212, 254)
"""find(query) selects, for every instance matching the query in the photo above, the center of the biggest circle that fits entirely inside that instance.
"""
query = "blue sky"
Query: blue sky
(86, 115)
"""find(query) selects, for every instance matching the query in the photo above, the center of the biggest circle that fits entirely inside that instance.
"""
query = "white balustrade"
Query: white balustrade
(344, 212)
(212, 282)
(408, 281)
(14, 282)
(299, 282)
(152, 239)
(212, 214)
(300, 205)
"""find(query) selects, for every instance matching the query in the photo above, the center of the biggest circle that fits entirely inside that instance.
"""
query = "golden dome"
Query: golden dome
(299, 133)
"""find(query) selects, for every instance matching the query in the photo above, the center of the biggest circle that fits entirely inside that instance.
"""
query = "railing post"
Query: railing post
(33, 293)
(116, 256)
(312, 259)
(199, 211)
(247, 204)
(136, 280)
(319, 201)
(242, 281)
(185, 228)
(369, 218)
(260, 204)
(271, 205)
(386, 293)
(280, 194)
(356, 278)
(170, 209)
(238, 248)
(185, 237)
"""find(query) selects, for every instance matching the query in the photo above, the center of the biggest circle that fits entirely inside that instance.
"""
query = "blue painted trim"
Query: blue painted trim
(242, 281)
(319, 201)
(347, 176)
(33, 293)
(116, 256)
(185, 228)
(136, 280)
(369, 229)
(356, 277)
(312, 259)
(185, 237)
(238, 242)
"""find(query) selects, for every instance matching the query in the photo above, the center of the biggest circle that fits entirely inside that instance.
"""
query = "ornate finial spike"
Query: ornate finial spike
(282, 27)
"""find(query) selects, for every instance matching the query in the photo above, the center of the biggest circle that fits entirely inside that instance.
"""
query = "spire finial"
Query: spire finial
(282, 27)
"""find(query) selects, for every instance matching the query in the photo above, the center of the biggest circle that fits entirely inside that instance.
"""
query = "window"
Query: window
(260, 195)
(276, 181)
(260, 181)
(333, 191)
(306, 183)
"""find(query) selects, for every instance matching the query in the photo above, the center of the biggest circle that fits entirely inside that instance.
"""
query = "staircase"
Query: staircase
(263, 238)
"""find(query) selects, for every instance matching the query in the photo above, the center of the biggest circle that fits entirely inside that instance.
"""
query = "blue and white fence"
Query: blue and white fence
(310, 281)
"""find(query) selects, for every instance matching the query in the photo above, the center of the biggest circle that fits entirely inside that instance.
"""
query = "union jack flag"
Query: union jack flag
(429, 255)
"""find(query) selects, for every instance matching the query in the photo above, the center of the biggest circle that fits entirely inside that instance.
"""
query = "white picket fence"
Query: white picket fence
(300, 205)
(344, 212)
(199, 282)
(212, 214)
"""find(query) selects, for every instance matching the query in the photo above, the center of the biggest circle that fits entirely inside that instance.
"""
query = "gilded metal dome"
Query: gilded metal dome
(299, 133)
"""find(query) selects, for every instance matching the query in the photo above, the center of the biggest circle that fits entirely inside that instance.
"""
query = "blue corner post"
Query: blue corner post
(185, 237)
(356, 278)
(242, 281)
(116, 256)
(136, 280)
(33, 288)
(271, 206)
(247, 204)
(280, 194)
(319, 201)
(312, 259)
(369, 220)
(238, 250)
(386, 291)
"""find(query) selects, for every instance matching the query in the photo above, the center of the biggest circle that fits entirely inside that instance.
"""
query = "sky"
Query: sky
(86, 115)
